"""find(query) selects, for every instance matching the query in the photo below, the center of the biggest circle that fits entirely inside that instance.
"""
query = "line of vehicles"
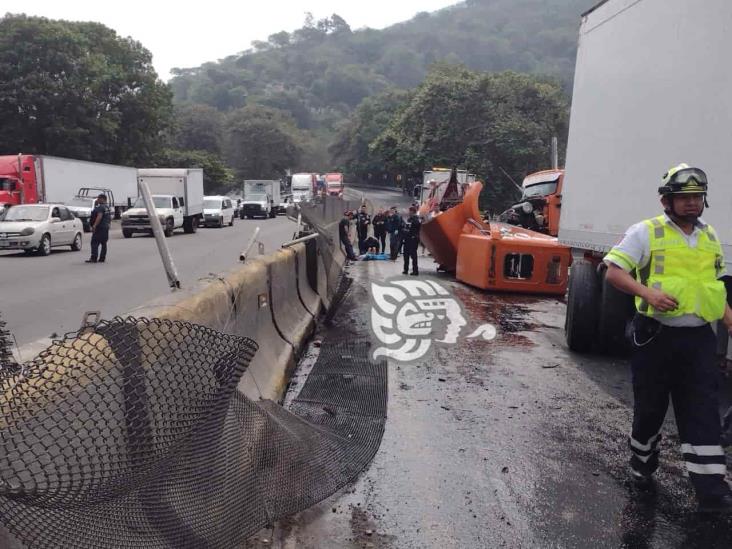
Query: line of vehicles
(46, 202)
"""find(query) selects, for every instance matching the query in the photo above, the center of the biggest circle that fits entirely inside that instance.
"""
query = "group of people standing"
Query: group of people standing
(403, 235)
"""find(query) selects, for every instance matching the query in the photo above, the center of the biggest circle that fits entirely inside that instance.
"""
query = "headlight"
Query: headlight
(527, 207)
(27, 231)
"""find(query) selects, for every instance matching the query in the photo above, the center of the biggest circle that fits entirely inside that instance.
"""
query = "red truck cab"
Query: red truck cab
(17, 180)
(334, 184)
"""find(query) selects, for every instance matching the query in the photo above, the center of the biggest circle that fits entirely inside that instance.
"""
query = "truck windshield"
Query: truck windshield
(7, 184)
(159, 201)
(540, 189)
(334, 184)
(302, 182)
(27, 213)
(212, 204)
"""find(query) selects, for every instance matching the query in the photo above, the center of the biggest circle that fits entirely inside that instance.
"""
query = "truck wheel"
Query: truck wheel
(76, 244)
(87, 228)
(127, 233)
(616, 309)
(190, 225)
(272, 214)
(169, 227)
(241, 215)
(582, 304)
(231, 223)
(221, 222)
(44, 248)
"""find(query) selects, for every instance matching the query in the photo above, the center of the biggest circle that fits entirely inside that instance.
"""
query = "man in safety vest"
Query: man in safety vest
(678, 262)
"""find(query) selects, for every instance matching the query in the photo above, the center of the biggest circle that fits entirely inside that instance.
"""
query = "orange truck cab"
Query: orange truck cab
(334, 184)
(492, 256)
(540, 204)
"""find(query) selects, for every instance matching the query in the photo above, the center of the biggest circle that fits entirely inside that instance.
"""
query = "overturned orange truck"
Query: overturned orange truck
(491, 256)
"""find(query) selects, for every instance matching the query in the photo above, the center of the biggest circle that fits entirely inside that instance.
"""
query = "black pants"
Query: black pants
(410, 251)
(99, 238)
(348, 247)
(394, 244)
(680, 363)
(381, 237)
(363, 234)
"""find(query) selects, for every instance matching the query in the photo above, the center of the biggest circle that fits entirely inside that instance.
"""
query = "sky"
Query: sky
(207, 31)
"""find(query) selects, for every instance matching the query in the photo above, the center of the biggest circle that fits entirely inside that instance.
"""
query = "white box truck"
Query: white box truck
(261, 198)
(178, 197)
(650, 91)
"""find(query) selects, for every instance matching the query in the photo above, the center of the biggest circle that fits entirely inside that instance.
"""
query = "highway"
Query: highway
(41, 296)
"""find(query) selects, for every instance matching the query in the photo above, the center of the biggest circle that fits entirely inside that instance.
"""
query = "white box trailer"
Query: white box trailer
(61, 178)
(650, 91)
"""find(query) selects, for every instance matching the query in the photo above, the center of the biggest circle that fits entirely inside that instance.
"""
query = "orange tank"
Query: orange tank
(494, 256)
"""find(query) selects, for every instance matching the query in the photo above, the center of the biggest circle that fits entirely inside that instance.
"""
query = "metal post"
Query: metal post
(302, 239)
(243, 255)
(157, 228)
(555, 153)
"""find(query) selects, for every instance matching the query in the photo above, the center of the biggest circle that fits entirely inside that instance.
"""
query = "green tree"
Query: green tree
(79, 90)
(486, 122)
(198, 127)
(373, 116)
(262, 142)
(217, 177)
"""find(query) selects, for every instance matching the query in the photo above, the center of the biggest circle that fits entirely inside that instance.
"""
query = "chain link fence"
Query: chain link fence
(133, 435)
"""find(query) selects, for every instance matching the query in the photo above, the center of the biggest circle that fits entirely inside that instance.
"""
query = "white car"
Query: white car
(40, 227)
(217, 211)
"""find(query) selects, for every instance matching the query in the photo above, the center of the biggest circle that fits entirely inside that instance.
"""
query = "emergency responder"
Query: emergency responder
(410, 237)
(344, 233)
(101, 218)
(678, 260)
(379, 222)
(394, 224)
(362, 228)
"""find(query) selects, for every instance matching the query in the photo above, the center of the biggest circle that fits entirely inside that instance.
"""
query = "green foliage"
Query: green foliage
(486, 122)
(79, 90)
(261, 142)
(217, 177)
(198, 127)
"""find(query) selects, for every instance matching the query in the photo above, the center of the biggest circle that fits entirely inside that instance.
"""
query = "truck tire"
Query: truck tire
(127, 233)
(190, 225)
(582, 307)
(272, 214)
(44, 248)
(169, 227)
(76, 244)
(231, 223)
(616, 309)
(87, 227)
(221, 222)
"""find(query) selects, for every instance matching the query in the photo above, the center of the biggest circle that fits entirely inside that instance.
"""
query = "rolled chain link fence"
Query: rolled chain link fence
(133, 435)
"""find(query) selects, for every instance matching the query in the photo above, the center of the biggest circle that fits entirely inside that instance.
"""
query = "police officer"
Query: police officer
(362, 228)
(394, 225)
(100, 219)
(678, 260)
(344, 233)
(410, 236)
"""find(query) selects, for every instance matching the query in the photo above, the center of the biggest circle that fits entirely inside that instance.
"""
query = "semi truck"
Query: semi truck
(334, 184)
(304, 187)
(29, 179)
(649, 93)
(540, 205)
(178, 197)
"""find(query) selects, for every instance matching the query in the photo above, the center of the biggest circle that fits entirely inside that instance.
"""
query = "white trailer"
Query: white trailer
(650, 91)
(186, 184)
(59, 180)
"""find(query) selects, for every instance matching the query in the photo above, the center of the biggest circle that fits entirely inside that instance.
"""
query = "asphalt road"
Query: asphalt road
(41, 296)
(514, 442)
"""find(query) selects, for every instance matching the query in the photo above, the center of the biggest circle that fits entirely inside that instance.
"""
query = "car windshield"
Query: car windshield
(27, 213)
(159, 201)
(81, 202)
(212, 204)
(540, 189)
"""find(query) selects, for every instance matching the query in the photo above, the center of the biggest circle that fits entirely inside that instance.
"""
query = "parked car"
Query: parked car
(40, 227)
(218, 210)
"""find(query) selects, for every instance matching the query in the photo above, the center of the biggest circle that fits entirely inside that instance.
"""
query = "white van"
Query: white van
(218, 210)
